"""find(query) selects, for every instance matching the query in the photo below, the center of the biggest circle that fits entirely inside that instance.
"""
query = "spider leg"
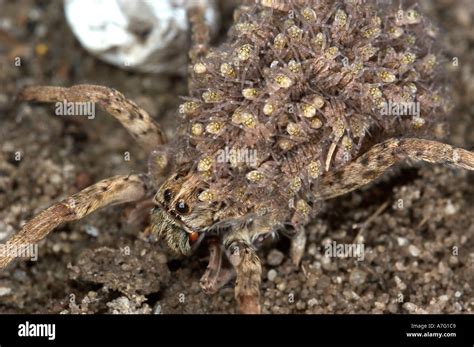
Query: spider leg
(381, 157)
(110, 191)
(249, 272)
(135, 119)
(199, 31)
(215, 276)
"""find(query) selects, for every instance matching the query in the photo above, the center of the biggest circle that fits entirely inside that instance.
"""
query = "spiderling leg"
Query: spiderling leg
(381, 157)
(135, 119)
(110, 191)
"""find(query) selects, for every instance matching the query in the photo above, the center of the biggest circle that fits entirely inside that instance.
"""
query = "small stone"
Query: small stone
(400, 284)
(300, 305)
(326, 263)
(410, 307)
(379, 306)
(55, 179)
(450, 209)
(271, 275)
(312, 249)
(399, 266)
(357, 277)
(312, 302)
(275, 257)
(413, 250)
(402, 241)
(458, 294)
(91, 230)
(5, 291)
(444, 298)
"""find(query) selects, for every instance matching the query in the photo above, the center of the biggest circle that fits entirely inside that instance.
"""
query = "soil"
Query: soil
(416, 223)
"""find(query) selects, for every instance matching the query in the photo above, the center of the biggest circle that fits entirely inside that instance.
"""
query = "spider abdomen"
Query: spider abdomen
(304, 90)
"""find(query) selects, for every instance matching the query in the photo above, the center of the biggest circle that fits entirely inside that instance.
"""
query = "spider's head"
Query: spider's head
(180, 218)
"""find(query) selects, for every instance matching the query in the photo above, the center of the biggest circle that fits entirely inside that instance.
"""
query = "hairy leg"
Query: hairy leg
(215, 276)
(135, 119)
(381, 157)
(110, 191)
(199, 31)
(248, 268)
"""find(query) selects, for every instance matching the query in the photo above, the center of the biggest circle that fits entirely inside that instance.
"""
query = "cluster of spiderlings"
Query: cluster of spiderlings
(304, 87)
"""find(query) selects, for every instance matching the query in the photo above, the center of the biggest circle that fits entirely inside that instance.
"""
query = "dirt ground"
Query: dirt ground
(416, 223)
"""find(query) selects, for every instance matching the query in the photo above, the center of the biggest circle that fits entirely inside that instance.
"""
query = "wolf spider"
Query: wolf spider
(181, 216)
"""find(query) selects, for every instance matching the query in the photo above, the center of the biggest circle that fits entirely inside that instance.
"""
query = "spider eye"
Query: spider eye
(182, 207)
(167, 195)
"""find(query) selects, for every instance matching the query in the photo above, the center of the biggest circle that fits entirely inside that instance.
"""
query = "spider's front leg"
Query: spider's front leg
(248, 268)
(135, 119)
(110, 191)
(216, 276)
(381, 157)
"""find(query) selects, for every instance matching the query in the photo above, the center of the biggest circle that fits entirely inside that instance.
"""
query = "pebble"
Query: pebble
(5, 230)
(55, 179)
(357, 277)
(326, 263)
(275, 257)
(300, 305)
(312, 249)
(271, 275)
(400, 284)
(443, 299)
(413, 250)
(379, 306)
(5, 291)
(402, 241)
(392, 308)
(312, 302)
(399, 266)
(410, 307)
(162, 258)
(450, 209)
(91, 230)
